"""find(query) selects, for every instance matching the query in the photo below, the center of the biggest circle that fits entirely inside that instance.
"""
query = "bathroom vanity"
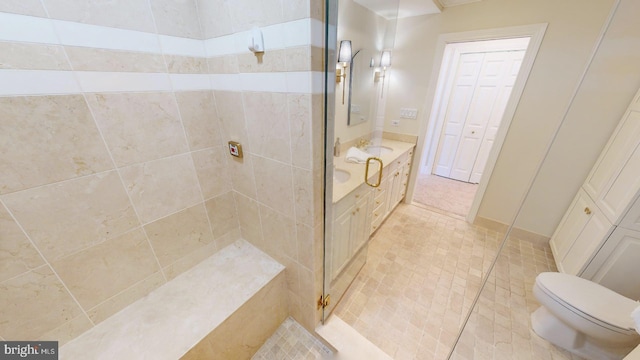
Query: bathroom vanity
(359, 209)
(599, 236)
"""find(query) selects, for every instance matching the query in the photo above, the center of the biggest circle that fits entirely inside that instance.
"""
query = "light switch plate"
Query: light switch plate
(407, 113)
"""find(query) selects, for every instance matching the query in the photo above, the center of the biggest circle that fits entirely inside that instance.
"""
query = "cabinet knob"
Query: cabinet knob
(358, 209)
(357, 196)
(379, 189)
(398, 173)
(378, 202)
(376, 214)
(353, 213)
(587, 211)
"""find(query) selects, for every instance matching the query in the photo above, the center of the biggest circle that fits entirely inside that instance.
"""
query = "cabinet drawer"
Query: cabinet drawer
(346, 202)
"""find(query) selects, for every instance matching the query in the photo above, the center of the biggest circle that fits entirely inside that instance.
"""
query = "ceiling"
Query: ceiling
(408, 8)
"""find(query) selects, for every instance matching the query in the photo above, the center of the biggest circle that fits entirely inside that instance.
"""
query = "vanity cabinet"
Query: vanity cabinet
(350, 227)
(599, 235)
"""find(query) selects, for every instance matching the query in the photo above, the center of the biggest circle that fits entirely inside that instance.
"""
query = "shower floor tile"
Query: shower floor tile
(291, 341)
(422, 273)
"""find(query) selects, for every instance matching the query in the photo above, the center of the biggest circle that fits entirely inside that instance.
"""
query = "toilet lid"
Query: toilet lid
(592, 299)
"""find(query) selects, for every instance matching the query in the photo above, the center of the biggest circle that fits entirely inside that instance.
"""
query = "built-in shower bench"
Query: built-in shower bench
(229, 304)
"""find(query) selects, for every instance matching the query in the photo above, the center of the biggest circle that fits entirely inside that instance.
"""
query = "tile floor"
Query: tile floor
(423, 271)
(445, 194)
(291, 341)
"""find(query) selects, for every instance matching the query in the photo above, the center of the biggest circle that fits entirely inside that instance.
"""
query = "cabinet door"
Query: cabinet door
(341, 242)
(614, 179)
(631, 219)
(579, 235)
(361, 223)
(616, 265)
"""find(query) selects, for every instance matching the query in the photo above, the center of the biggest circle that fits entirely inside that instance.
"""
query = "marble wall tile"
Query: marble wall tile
(190, 260)
(177, 18)
(297, 9)
(279, 233)
(125, 298)
(66, 217)
(222, 214)
(231, 115)
(227, 64)
(299, 106)
(214, 18)
(249, 219)
(211, 167)
(104, 270)
(304, 238)
(200, 119)
(241, 172)
(92, 59)
(32, 56)
(274, 184)
(69, 330)
(298, 58)
(246, 14)
(44, 139)
(268, 125)
(161, 187)
(177, 64)
(179, 234)
(139, 126)
(17, 255)
(270, 61)
(303, 195)
(228, 238)
(123, 14)
(23, 7)
(33, 304)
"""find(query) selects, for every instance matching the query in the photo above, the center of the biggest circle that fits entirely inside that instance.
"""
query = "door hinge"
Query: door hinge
(323, 302)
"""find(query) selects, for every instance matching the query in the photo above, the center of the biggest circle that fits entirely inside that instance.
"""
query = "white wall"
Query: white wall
(574, 27)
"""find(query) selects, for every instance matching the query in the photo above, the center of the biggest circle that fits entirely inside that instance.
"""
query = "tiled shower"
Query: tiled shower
(115, 175)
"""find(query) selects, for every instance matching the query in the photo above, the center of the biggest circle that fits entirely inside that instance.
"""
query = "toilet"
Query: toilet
(583, 317)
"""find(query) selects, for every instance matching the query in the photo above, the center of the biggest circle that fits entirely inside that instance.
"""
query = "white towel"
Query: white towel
(355, 155)
(635, 315)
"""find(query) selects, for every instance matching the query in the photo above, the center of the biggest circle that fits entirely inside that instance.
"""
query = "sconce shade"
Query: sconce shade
(385, 59)
(344, 54)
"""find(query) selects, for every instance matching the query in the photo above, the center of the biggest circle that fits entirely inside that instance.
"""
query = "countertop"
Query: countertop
(341, 190)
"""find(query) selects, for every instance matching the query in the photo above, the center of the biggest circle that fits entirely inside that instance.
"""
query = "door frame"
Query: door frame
(428, 123)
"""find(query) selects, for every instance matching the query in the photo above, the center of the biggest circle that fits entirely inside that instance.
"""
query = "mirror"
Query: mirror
(370, 30)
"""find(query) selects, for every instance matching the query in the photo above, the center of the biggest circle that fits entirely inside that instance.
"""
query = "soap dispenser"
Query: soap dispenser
(336, 148)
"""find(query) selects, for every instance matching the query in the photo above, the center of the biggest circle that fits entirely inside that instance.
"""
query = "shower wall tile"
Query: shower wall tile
(274, 184)
(161, 187)
(23, 7)
(104, 270)
(121, 300)
(44, 139)
(177, 64)
(222, 214)
(241, 173)
(227, 64)
(17, 255)
(91, 59)
(177, 18)
(214, 18)
(32, 56)
(179, 234)
(33, 304)
(299, 106)
(211, 167)
(304, 239)
(199, 116)
(280, 230)
(69, 330)
(268, 125)
(303, 195)
(246, 14)
(249, 219)
(270, 61)
(66, 217)
(190, 260)
(123, 14)
(231, 114)
(139, 126)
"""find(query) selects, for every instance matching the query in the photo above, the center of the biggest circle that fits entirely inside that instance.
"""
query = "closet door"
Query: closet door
(614, 181)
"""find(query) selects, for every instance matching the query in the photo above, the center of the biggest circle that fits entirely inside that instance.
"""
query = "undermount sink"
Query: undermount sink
(341, 176)
(378, 150)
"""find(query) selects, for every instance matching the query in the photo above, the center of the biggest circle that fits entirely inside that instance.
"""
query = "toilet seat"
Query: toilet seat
(589, 300)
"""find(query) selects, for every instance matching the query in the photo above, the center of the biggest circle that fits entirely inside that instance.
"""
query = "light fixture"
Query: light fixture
(344, 57)
(385, 62)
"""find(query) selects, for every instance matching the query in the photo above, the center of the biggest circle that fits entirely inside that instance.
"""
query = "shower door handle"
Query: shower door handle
(366, 172)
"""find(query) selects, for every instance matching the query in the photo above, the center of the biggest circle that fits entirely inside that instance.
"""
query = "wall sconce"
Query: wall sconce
(385, 62)
(344, 57)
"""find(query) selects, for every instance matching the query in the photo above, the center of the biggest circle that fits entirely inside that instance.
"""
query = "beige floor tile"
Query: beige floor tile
(445, 194)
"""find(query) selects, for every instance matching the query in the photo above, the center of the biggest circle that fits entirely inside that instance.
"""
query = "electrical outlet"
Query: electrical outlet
(407, 113)
(395, 122)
